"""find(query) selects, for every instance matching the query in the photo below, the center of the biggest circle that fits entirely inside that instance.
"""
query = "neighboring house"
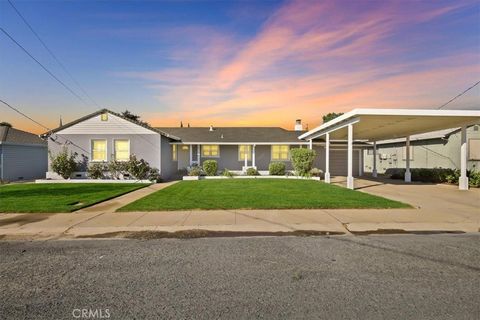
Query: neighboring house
(23, 155)
(438, 149)
(105, 135)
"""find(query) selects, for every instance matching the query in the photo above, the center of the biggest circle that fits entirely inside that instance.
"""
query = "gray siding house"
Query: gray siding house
(23, 155)
(438, 149)
(106, 135)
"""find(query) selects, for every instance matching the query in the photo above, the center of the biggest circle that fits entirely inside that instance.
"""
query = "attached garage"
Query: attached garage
(338, 160)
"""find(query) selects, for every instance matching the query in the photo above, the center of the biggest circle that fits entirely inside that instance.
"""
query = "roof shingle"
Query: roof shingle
(12, 135)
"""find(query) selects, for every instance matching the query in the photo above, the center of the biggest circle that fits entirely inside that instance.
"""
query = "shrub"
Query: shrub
(116, 168)
(64, 163)
(210, 167)
(315, 172)
(474, 179)
(139, 169)
(252, 172)
(196, 171)
(276, 169)
(95, 170)
(302, 160)
(227, 173)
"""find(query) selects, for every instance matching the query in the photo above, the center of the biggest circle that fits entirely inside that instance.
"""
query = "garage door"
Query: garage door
(339, 162)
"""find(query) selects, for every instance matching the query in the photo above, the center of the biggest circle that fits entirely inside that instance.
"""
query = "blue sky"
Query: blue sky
(238, 63)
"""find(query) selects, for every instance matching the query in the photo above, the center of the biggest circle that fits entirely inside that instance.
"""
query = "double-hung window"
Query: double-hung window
(121, 150)
(211, 151)
(244, 150)
(280, 152)
(99, 150)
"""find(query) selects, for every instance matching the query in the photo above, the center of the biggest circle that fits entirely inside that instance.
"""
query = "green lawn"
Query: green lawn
(257, 194)
(59, 197)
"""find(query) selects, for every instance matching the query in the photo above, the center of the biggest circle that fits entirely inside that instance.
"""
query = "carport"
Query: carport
(372, 125)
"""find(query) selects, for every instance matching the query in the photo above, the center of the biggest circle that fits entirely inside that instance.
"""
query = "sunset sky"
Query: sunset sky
(238, 63)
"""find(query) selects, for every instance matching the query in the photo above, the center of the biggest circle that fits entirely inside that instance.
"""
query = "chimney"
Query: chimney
(298, 125)
(211, 128)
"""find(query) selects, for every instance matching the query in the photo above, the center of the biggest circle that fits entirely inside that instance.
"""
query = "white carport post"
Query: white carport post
(350, 157)
(310, 144)
(408, 174)
(463, 180)
(327, 158)
(374, 172)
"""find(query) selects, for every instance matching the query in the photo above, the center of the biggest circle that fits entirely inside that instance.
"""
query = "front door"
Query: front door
(183, 156)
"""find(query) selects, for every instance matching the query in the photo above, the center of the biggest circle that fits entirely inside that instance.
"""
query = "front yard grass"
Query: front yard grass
(257, 194)
(59, 197)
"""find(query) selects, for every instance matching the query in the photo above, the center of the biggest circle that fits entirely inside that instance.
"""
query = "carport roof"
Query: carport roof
(383, 124)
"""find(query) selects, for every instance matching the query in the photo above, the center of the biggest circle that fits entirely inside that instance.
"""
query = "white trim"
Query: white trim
(239, 143)
(336, 127)
(392, 112)
(91, 149)
(115, 149)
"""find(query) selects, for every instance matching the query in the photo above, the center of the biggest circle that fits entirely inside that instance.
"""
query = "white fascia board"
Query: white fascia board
(392, 112)
(328, 129)
(242, 143)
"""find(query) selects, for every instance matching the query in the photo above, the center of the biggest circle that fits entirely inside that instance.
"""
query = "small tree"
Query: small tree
(210, 167)
(64, 163)
(330, 116)
(302, 160)
(134, 117)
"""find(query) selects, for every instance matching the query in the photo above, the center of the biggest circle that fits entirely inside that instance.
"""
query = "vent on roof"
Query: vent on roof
(211, 128)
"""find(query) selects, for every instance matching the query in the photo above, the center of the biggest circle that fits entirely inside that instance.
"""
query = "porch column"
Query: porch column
(463, 180)
(327, 158)
(374, 172)
(245, 154)
(191, 154)
(408, 174)
(198, 155)
(310, 144)
(253, 156)
(350, 157)
(360, 162)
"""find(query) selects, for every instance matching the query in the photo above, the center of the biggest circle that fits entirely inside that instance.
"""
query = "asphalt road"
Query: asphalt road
(338, 277)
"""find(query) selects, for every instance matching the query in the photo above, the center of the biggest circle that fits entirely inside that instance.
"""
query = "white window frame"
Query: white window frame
(210, 156)
(106, 150)
(240, 154)
(115, 151)
(280, 145)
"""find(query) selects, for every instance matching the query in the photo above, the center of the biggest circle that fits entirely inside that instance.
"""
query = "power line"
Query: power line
(52, 54)
(43, 67)
(459, 95)
(41, 125)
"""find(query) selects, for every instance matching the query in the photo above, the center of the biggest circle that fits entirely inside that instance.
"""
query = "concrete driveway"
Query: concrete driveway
(437, 208)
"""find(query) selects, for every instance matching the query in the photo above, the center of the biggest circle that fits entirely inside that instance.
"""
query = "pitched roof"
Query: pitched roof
(15, 136)
(234, 134)
(91, 115)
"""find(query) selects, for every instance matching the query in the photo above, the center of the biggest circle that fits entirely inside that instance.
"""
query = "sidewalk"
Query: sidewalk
(439, 208)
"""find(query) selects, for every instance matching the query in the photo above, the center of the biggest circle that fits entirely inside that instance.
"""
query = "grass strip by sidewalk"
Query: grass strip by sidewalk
(258, 194)
(59, 197)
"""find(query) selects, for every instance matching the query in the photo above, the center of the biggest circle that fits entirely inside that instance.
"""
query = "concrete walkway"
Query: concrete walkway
(438, 208)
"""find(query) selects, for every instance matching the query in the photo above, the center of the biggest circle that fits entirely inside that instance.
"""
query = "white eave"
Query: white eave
(384, 124)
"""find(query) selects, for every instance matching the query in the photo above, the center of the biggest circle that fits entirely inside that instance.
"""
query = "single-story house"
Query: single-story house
(105, 135)
(23, 155)
(437, 149)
